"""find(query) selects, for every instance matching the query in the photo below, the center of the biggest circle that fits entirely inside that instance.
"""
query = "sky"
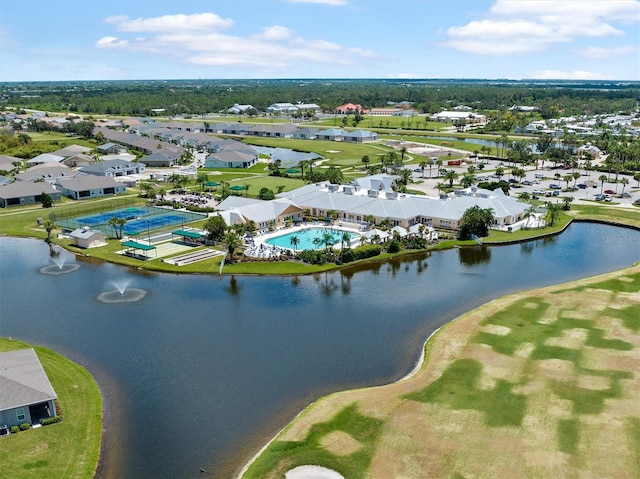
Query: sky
(67, 40)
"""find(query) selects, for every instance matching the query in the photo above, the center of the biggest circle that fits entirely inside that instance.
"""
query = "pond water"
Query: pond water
(200, 371)
(288, 157)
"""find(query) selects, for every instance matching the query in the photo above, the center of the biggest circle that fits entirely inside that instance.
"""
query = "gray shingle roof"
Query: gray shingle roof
(23, 380)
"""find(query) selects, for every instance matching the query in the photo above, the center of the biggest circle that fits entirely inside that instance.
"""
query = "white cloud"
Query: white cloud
(172, 23)
(111, 42)
(274, 47)
(574, 75)
(516, 27)
(602, 52)
(276, 32)
(333, 3)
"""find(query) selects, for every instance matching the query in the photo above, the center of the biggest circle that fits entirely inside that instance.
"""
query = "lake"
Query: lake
(203, 370)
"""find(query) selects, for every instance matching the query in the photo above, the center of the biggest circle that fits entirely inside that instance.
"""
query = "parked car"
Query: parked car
(626, 194)
(556, 193)
(539, 192)
(582, 186)
(609, 192)
(607, 198)
(482, 178)
(539, 175)
(599, 197)
(555, 186)
(527, 183)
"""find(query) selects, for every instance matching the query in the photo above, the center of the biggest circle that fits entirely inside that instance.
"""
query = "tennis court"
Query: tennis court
(139, 219)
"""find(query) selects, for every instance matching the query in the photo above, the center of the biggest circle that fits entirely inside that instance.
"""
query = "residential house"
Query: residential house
(158, 159)
(46, 172)
(114, 168)
(71, 150)
(84, 186)
(10, 164)
(26, 394)
(228, 158)
(331, 134)
(26, 193)
(360, 136)
(282, 108)
(111, 149)
(44, 158)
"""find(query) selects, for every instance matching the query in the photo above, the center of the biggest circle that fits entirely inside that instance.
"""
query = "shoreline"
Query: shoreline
(423, 358)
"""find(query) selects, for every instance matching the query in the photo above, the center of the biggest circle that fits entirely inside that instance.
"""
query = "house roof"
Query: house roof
(46, 158)
(71, 150)
(85, 233)
(106, 165)
(84, 181)
(23, 381)
(19, 189)
(46, 171)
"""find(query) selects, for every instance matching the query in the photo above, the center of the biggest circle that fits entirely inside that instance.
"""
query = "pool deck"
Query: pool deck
(260, 249)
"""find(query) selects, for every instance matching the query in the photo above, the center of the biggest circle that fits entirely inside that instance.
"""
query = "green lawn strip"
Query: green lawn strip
(70, 448)
(615, 285)
(281, 456)
(633, 438)
(498, 237)
(630, 316)
(458, 388)
(609, 214)
(272, 183)
(568, 435)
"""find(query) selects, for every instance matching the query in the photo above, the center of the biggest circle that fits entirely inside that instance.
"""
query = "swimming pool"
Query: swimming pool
(311, 238)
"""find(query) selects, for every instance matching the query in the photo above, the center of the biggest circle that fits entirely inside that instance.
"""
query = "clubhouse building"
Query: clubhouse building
(375, 197)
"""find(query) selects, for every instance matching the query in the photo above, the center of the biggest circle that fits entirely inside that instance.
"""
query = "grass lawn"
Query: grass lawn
(541, 383)
(70, 448)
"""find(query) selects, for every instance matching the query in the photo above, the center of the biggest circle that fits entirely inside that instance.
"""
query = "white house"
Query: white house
(85, 237)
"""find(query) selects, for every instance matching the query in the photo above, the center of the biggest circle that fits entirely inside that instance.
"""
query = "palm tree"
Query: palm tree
(524, 197)
(49, 226)
(246, 187)
(553, 211)
(231, 241)
(316, 242)
(625, 182)
(295, 241)
(602, 179)
(451, 176)
(117, 224)
(403, 151)
(201, 179)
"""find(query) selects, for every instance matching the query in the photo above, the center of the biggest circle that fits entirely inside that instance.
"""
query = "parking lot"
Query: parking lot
(540, 183)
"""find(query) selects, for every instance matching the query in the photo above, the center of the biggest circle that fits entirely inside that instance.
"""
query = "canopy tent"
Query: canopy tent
(212, 184)
(237, 188)
(134, 245)
(292, 171)
(192, 237)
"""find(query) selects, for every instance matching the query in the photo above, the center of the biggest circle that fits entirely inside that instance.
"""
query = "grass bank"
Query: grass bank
(70, 448)
(541, 383)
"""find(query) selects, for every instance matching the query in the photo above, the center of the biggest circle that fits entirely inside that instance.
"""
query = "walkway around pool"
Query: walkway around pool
(258, 247)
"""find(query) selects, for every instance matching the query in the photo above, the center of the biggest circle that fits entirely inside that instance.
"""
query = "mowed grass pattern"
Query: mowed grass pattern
(537, 384)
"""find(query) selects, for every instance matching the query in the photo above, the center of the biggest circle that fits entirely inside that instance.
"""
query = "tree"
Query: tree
(365, 160)
(567, 200)
(49, 226)
(231, 241)
(201, 179)
(46, 200)
(246, 187)
(636, 176)
(467, 180)
(295, 241)
(423, 165)
(602, 179)
(476, 221)
(216, 227)
(625, 182)
(451, 176)
(266, 194)
(524, 197)
(553, 212)
(117, 224)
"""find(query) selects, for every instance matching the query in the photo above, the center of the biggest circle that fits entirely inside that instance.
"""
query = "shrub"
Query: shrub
(25, 426)
(15, 429)
(393, 246)
(50, 420)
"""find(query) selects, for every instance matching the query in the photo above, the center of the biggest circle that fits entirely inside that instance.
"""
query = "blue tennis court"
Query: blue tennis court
(139, 219)
(141, 225)
(127, 214)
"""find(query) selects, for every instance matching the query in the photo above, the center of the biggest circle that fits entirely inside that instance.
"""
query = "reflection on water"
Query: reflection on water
(208, 368)
(474, 255)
